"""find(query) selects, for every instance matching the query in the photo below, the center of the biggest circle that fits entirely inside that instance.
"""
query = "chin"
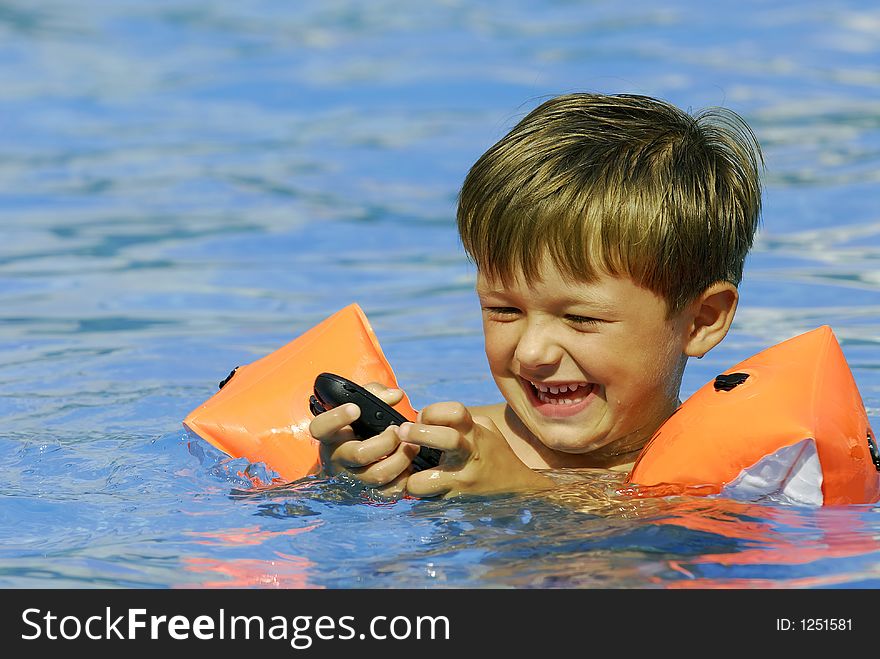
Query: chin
(558, 441)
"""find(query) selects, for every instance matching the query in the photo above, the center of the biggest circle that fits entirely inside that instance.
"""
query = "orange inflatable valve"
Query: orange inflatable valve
(786, 423)
(262, 410)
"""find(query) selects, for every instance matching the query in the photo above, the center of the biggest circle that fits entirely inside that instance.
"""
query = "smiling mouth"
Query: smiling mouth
(570, 393)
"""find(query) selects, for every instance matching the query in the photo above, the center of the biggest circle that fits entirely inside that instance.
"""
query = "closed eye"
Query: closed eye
(501, 312)
(582, 320)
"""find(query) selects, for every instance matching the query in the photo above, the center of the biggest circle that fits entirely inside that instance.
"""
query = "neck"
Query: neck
(618, 454)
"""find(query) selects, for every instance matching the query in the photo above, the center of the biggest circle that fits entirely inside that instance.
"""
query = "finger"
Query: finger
(451, 414)
(390, 396)
(440, 437)
(362, 453)
(430, 483)
(326, 425)
(395, 488)
(386, 470)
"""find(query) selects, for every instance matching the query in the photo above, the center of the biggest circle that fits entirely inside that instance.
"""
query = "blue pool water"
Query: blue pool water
(186, 186)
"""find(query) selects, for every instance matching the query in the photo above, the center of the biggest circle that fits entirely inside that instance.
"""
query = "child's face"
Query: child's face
(609, 341)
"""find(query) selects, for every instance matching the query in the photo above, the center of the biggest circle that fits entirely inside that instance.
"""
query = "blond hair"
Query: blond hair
(621, 184)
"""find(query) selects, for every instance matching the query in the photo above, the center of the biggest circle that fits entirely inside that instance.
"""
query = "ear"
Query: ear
(711, 316)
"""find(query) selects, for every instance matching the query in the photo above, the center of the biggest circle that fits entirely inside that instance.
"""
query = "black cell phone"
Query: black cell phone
(333, 390)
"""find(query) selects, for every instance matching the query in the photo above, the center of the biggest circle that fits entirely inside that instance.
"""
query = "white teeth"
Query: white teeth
(560, 389)
(544, 390)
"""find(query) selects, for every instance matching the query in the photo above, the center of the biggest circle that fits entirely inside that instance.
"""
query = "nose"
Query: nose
(537, 347)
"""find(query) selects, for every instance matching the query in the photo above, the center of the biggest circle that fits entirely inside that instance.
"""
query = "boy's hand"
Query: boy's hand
(476, 457)
(382, 461)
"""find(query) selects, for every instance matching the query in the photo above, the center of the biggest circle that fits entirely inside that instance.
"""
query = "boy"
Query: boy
(609, 235)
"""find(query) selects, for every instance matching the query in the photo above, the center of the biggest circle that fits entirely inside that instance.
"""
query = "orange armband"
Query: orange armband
(261, 412)
(787, 421)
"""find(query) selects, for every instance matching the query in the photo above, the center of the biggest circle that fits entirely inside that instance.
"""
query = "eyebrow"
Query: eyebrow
(594, 304)
(482, 290)
(597, 304)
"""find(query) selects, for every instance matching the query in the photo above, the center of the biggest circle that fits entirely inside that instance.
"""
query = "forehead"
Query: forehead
(548, 277)
(556, 288)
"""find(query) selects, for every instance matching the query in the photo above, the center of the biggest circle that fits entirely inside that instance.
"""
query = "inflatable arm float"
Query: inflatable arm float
(262, 409)
(788, 420)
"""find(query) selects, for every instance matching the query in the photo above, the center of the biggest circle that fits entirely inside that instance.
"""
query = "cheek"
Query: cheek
(637, 368)
(500, 344)
(656, 372)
